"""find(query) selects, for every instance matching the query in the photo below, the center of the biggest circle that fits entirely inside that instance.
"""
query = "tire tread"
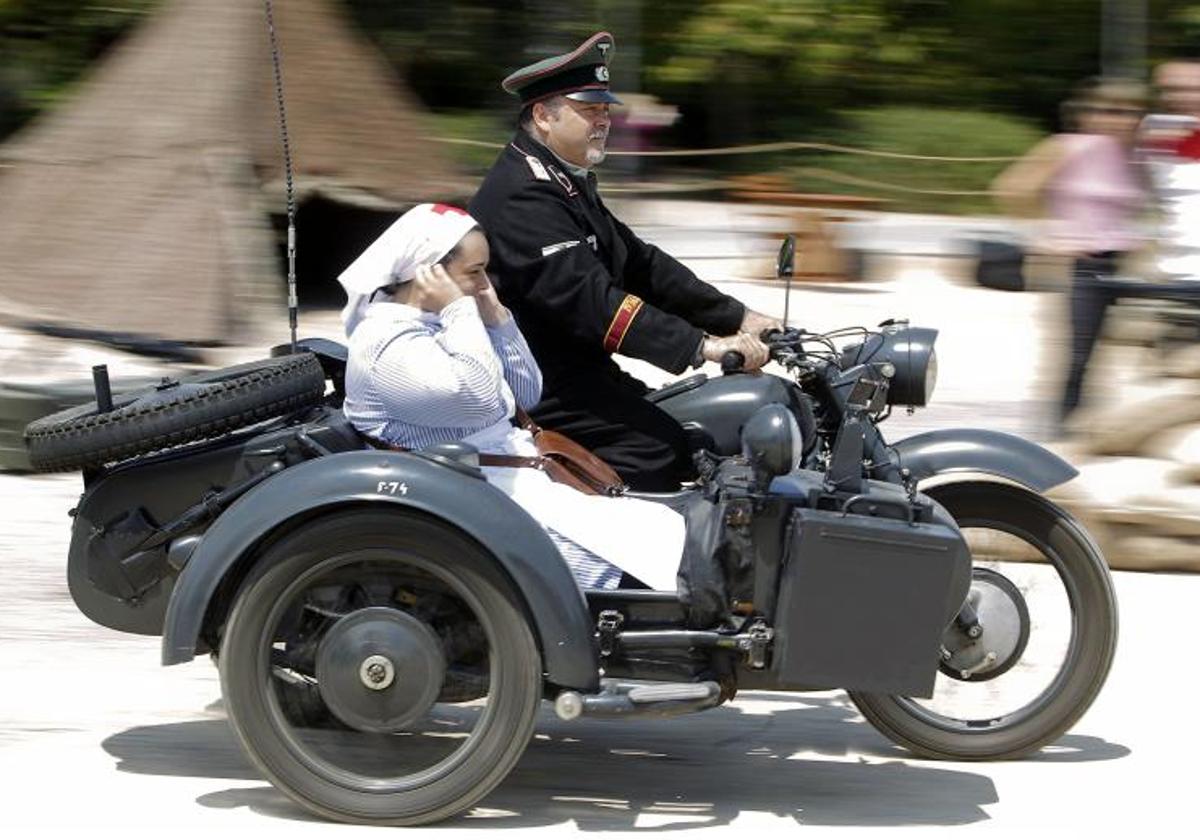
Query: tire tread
(79, 438)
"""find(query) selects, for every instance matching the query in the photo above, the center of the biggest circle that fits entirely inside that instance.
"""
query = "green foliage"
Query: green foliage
(773, 42)
(1180, 34)
(450, 51)
(454, 53)
(481, 126)
(913, 131)
(858, 72)
(745, 69)
(45, 45)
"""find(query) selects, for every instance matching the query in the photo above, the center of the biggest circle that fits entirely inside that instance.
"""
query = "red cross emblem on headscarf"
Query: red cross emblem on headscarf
(442, 209)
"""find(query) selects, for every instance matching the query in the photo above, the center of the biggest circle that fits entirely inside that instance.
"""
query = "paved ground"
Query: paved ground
(94, 734)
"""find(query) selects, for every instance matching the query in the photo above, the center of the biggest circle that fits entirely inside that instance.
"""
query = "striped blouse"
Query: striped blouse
(418, 378)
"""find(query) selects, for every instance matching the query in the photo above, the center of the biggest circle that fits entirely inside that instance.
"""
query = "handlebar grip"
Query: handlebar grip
(732, 361)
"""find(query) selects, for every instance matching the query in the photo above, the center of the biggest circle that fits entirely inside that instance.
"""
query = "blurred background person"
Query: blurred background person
(1086, 185)
(1170, 143)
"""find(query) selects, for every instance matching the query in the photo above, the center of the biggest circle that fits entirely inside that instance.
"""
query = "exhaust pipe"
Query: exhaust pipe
(637, 700)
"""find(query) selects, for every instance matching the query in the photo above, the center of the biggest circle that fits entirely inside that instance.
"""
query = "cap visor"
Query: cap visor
(593, 96)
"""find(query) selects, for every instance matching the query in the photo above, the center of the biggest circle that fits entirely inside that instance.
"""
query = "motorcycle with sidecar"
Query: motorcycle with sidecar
(387, 624)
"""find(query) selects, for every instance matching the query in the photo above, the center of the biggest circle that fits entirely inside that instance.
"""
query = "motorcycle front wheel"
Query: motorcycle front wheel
(1067, 601)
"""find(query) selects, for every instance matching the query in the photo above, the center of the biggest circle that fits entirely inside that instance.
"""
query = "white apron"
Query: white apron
(639, 537)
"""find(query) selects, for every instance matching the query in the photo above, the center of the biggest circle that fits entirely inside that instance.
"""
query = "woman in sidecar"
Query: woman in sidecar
(434, 357)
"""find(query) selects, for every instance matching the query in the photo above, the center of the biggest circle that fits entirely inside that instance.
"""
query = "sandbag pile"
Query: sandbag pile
(1139, 461)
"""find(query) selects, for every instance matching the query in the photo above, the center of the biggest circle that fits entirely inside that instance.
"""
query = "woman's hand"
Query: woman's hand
(491, 310)
(433, 290)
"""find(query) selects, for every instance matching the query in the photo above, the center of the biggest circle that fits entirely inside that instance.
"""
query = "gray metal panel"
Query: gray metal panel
(163, 486)
(539, 573)
(984, 451)
(863, 602)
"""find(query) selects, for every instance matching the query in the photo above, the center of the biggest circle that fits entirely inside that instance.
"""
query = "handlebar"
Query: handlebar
(732, 362)
(782, 344)
(786, 346)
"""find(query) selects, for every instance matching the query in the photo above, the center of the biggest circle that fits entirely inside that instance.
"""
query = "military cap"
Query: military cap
(581, 74)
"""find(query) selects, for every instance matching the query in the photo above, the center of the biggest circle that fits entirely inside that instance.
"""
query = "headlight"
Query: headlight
(930, 374)
(909, 350)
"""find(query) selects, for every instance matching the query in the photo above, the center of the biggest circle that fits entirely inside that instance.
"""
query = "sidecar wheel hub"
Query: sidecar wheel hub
(380, 669)
(377, 672)
(1004, 618)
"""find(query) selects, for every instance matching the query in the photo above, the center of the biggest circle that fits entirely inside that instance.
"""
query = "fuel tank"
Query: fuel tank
(713, 410)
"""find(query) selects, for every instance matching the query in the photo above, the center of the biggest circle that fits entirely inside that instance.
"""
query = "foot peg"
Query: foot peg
(628, 700)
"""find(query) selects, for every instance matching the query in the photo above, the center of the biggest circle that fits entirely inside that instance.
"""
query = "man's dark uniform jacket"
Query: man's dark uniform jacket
(582, 286)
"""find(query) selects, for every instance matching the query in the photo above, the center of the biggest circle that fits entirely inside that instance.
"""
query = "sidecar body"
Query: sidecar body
(160, 544)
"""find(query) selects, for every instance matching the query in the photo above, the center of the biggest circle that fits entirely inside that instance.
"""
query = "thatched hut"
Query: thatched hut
(150, 202)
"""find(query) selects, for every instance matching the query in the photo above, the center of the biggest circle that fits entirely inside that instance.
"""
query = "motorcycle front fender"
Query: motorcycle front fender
(554, 602)
(975, 451)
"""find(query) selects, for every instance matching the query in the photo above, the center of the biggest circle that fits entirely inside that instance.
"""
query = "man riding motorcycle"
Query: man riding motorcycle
(582, 286)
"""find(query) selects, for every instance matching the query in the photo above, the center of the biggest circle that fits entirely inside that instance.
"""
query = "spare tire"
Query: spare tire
(174, 412)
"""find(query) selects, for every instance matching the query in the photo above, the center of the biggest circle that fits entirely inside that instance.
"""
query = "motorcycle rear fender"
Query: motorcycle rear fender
(978, 451)
(553, 601)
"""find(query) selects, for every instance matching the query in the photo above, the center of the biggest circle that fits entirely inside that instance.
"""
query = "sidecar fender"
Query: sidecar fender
(979, 451)
(553, 600)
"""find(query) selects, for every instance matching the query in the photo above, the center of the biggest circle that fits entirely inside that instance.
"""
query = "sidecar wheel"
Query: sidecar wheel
(1029, 703)
(197, 407)
(336, 659)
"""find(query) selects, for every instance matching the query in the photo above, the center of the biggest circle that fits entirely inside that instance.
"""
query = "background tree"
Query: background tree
(46, 44)
(926, 76)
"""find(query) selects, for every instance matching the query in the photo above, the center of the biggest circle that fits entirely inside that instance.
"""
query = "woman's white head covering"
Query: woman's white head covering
(422, 236)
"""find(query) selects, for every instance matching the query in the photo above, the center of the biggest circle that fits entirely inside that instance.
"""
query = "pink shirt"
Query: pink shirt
(1094, 198)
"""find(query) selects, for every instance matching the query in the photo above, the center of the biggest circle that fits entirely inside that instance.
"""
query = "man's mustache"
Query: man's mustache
(598, 135)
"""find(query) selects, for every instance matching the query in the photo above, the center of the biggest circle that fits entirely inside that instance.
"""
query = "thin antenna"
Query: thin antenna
(787, 298)
(293, 300)
(785, 268)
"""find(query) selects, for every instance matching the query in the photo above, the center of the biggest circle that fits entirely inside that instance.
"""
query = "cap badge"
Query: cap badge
(602, 72)
(603, 47)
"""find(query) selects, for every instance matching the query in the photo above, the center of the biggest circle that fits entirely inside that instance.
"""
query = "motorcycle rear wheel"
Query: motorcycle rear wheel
(1019, 515)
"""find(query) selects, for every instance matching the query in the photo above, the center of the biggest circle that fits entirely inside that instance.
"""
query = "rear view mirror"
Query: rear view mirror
(786, 266)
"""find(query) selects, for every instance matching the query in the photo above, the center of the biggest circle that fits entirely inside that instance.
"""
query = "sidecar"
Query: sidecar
(387, 623)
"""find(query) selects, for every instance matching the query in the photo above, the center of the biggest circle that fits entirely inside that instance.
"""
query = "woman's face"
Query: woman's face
(468, 268)
(1117, 121)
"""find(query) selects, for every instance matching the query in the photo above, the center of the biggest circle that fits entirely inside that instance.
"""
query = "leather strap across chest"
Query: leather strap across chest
(486, 459)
